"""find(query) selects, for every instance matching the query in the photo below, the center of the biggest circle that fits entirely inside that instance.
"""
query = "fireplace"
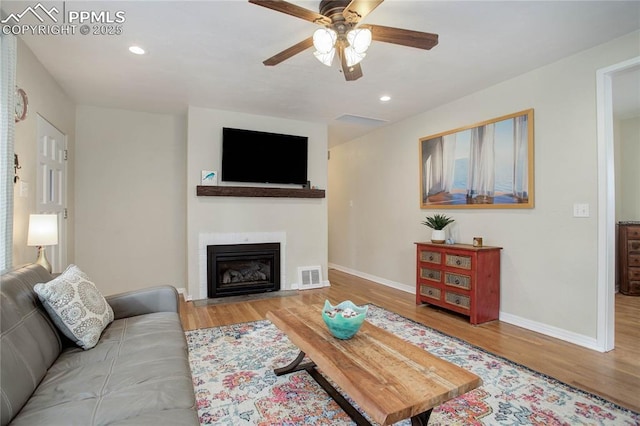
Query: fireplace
(239, 269)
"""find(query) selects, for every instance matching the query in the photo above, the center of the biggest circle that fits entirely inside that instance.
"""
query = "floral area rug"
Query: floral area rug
(234, 382)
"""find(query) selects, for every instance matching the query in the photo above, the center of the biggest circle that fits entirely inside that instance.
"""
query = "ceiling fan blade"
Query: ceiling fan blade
(351, 73)
(293, 10)
(287, 53)
(403, 37)
(358, 9)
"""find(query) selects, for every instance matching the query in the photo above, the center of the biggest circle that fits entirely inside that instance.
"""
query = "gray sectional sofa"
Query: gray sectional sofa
(137, 374)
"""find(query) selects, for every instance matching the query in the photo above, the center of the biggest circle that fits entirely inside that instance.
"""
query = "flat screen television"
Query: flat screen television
(261, 157)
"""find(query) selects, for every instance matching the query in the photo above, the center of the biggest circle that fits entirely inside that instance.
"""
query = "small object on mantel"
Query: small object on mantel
(209, 177)
(450, 241)
(477, 241)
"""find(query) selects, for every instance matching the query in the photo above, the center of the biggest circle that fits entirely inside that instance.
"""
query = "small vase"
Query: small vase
(438, 236)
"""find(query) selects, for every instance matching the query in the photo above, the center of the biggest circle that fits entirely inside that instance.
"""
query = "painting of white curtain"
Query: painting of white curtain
(440, 163)
(8, 55)
(489, 164)
(520, 170)
(481, 162)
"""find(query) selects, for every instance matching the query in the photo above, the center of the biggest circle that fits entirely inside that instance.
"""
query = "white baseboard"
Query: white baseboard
(551, 331)
(393, 284)
(547, 330)
(324, 283)
(183, 292)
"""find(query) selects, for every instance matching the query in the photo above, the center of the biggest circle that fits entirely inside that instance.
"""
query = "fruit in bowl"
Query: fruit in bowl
(345, 319)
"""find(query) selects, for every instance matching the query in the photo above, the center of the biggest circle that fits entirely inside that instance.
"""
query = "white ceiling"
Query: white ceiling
(209, 54)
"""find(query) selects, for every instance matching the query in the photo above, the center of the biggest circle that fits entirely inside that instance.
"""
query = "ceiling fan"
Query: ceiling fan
(340, 33)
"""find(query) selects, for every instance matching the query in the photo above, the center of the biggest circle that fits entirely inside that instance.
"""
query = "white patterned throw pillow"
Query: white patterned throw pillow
(76, 306)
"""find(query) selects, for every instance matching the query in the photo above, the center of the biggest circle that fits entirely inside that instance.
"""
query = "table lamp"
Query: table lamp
(43, 231)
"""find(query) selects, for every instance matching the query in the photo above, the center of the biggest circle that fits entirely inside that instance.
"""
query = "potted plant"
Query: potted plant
(438, 222)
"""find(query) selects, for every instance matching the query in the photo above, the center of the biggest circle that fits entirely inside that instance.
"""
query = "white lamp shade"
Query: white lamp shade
(325, 58)
(359, 39)
(324, 39)
(352, 57)
(43, 230)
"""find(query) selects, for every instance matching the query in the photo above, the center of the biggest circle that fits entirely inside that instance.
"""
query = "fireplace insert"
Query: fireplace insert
(240, 269)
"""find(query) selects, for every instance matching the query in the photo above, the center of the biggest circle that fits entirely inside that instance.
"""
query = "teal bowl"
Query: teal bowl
(345, 319)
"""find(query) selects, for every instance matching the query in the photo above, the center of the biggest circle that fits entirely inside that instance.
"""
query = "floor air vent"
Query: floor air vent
(309, 277)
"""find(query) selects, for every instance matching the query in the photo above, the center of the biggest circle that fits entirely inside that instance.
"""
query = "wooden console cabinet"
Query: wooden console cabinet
(459, 277)
(629, 257)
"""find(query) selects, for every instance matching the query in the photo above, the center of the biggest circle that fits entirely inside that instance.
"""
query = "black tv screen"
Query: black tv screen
(260, 157)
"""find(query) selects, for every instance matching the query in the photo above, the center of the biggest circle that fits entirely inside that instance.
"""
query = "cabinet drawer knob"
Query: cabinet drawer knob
(458, 262)
(431, 257)
(457, 281)
(430, 274)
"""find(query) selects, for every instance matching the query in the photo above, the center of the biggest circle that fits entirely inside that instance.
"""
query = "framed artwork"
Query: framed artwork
(484, 165)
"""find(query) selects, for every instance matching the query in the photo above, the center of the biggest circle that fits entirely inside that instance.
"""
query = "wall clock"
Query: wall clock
(21, 104)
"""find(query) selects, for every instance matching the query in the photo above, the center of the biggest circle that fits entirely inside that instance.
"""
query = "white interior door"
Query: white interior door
(51, 191)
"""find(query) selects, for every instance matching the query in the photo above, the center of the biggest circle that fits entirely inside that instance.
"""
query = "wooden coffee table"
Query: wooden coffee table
(388, 378)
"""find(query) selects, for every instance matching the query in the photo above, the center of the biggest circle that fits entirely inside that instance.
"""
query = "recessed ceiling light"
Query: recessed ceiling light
(385, 98)
(137, 50)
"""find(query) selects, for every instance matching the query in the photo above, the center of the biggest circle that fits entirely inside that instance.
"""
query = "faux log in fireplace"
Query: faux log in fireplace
(239, 269)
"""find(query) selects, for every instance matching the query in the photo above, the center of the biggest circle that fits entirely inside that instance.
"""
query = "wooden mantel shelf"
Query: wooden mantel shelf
(253, 191)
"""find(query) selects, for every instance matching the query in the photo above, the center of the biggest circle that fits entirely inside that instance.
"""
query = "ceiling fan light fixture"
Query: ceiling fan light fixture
(324, 39)
(359, 39)
(352, 57)
(339, 30)
(325, 58)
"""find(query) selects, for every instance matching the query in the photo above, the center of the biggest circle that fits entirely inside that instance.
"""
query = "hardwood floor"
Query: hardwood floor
(614, 375)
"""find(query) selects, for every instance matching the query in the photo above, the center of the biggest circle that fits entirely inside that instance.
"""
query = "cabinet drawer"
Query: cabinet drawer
(633, 274)
(634, 260)
(457, 280)
(457, 299)
(633, 246)
(430, 274)
(633, 232)
(634, 288)
(431, 292)
(430, 257)
(463, 262)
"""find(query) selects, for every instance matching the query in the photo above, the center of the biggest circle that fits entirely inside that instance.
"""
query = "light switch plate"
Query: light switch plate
(580, 210)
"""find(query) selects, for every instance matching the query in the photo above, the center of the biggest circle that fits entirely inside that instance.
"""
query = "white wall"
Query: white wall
(549, 257)
(130, 198)
(47, 99)
(304, 221)
(628, 191)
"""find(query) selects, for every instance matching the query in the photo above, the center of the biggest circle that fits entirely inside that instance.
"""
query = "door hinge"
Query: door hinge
(65, 213)
(66, 155)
